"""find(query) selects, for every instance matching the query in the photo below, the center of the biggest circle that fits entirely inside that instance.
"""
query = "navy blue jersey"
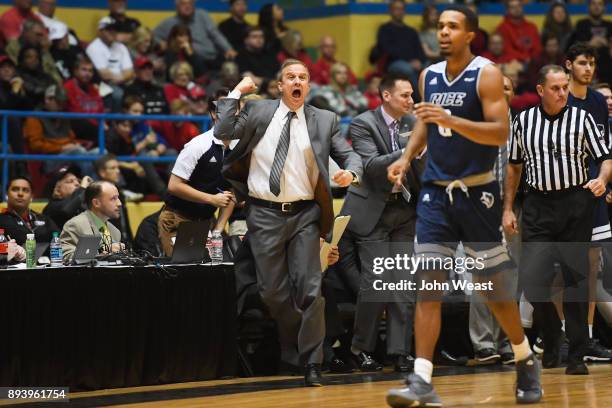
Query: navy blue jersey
(450, 155)
(595, 104)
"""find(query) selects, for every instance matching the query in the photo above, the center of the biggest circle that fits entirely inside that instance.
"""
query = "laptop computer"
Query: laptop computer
(86, 249)
(190, 243)
(41, 248)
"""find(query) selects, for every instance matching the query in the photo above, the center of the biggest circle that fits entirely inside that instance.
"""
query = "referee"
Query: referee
(553, 141)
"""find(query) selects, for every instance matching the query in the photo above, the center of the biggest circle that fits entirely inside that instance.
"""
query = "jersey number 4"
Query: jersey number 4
(445, 132)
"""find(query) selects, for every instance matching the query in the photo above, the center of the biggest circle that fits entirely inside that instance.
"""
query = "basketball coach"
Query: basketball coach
(280, 166)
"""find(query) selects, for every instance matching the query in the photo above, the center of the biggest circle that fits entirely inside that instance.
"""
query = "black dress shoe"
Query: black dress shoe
(551, 357)
(312, 376)
(403, 364)
(552, 354)
(576, 368)
(365, 362)
(338, 366)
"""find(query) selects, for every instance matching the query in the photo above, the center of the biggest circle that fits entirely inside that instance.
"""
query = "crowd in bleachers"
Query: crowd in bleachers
(174, 67)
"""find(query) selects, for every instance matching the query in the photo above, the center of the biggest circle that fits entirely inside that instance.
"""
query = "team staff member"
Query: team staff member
(381, 213)
(553, 141)
(103, 204)
(281, 165)
(193, 188)
(18, 219)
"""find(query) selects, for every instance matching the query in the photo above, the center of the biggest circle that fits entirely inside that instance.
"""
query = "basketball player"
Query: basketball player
(463, 121)
(581, 65)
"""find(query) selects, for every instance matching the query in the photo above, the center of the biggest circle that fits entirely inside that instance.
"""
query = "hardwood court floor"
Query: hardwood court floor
(483, 387)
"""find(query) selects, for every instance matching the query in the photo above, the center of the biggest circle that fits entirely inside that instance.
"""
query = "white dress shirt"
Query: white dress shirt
(300, 172)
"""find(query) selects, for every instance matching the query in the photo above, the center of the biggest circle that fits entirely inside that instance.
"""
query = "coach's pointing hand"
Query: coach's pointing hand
(597, 187)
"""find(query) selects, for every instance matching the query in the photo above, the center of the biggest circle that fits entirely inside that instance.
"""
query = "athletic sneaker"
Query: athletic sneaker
(528, 386)
(597, 352)
(487, 356)
(418, 393)
(538, 346)
(507, 358)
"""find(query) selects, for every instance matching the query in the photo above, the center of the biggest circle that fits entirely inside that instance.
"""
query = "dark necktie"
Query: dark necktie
(394, 130)
(281, 155)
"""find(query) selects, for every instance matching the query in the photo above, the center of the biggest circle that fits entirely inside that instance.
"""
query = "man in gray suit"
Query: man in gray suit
(280, 166)
(103, 203)
(208, 43)
(381, 214)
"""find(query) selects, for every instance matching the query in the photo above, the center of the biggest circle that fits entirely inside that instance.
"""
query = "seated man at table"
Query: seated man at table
(18, 219)
(66, 191)
(103, 203)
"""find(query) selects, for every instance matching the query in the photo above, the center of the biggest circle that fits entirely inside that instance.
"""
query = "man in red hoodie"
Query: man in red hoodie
(521, 37)
(83, 97)
(319, 74)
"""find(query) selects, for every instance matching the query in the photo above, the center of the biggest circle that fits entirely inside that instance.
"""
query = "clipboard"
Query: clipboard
(340, 224)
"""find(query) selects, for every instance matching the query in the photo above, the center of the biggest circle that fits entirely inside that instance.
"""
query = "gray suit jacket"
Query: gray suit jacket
(250, 126)
(372, 141)
(78, 226)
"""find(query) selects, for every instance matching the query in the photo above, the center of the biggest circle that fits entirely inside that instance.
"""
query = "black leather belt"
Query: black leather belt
(287, 208)
(556, 193)
(395, 197)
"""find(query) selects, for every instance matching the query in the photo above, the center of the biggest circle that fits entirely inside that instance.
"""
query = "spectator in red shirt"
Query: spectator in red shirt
(13, 18)
(182, 86)
(495, 50)
(552, 55)
(521, 37)
(292, 48)
(83, 97)
(524, 98)
(176, 133)
(372, 93)
(319, 74)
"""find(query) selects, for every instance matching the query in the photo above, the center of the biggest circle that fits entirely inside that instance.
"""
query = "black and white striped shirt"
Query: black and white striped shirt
(554, 149)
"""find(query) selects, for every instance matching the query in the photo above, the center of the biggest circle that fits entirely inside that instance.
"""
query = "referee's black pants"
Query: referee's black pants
(557, 227)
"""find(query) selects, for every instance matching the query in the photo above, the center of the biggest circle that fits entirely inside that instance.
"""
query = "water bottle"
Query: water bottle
(3, 250)
(216, 247)
(55, 251)
(30, 247)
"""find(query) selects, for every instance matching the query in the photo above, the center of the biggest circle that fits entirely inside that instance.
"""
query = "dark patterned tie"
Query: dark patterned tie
(280, 155)
(394, 130)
